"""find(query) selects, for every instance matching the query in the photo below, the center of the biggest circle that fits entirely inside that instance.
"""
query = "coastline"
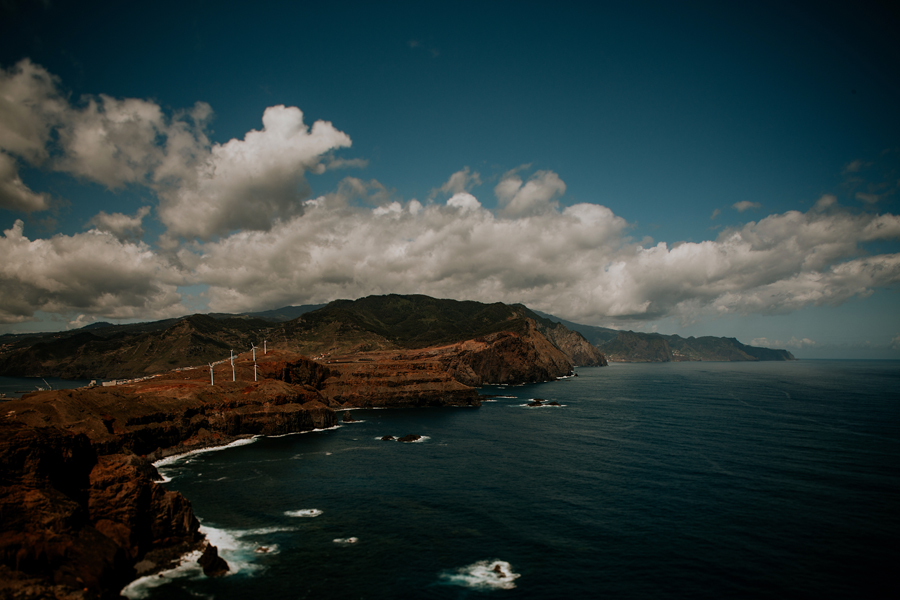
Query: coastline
(123, 432)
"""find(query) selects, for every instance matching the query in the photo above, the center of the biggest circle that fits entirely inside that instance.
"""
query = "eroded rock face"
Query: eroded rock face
(73, 521)
(507, 358)
(395, 378)
(80, 505)
(168, 416)
(574, 345)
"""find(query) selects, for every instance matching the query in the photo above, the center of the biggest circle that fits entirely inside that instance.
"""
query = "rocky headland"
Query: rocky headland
(82, 506)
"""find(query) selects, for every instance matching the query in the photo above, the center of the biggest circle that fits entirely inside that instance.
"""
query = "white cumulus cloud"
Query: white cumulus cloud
(536, 196)
(91, 273)
(249, 183)
(577, 262)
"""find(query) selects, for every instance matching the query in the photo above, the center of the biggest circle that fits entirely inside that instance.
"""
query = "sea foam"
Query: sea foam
(141, 587)
(303, 512)
(483, 575)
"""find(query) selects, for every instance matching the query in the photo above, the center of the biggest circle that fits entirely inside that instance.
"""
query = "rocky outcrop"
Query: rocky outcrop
(81, 508)
(213, 564)
(507, 357)
(73, 522)
(574, 345)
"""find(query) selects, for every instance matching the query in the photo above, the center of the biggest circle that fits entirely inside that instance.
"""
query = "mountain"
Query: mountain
(135, 350)
(339, 328)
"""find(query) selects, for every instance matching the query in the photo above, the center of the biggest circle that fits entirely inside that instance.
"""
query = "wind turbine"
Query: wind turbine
(264, 346)
(211, 381)
(254, 360)
(232, 365)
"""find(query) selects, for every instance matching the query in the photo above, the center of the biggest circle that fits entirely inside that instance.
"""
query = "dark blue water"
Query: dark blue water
(15, 387)
(692, 480)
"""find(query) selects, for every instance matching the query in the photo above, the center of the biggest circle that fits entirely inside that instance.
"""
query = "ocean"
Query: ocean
(675, 480)
(16, 387)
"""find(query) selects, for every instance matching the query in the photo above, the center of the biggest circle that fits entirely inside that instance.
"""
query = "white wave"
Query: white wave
(307, 431)
(304, 512)
(349, 540)
(262, 531)
(484, 575)
(421, 439)
(238, 554)
(175, 458)
(187, 568)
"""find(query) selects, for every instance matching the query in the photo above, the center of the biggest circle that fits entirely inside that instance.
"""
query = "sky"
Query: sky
(688, 168)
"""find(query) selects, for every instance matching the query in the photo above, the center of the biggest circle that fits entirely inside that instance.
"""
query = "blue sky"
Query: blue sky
(518, 152)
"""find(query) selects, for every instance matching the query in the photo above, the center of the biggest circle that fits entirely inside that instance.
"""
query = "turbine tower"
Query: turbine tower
(211, 381)
(254, 360)
(232, 366)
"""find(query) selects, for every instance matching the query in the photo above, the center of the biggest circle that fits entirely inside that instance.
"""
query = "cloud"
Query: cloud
(91, 273)
(794, 342)
(895, 342)
(715, 213)
(576, 262)
(205, 189)
(120, 225)
(247, 184)
(240, 223)
(826, 202)
(80, 321)
(461, 181)
(745, 205)
(30, 107)
(855, 166)
(868, 198)
(14, 194)
(112, 142)
(536, 196)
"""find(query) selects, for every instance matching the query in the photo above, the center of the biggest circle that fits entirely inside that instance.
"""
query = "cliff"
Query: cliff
(75, 523)
(638, 346)
(81, 510)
